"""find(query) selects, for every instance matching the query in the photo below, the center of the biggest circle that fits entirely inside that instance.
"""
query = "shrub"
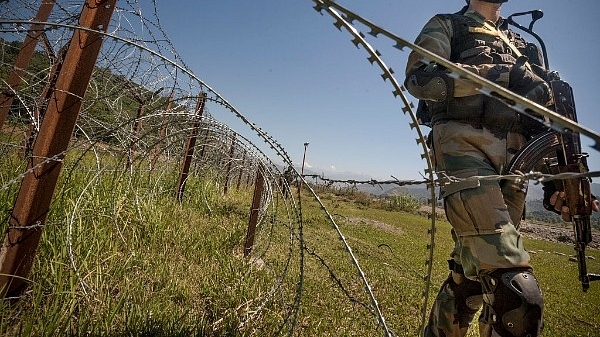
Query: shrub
(404, 203)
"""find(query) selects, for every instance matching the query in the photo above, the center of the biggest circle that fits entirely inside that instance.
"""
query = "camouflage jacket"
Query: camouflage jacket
(477, 46)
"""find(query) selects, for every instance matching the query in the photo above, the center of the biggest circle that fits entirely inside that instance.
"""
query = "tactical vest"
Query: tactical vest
(471, 45)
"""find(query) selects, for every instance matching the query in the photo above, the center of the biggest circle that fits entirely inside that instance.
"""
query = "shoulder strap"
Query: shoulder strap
(490, 29)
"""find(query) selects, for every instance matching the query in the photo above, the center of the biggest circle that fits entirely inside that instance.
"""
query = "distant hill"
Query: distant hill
(535, 194)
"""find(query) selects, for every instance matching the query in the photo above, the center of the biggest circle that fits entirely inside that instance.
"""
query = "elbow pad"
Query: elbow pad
(430, 85)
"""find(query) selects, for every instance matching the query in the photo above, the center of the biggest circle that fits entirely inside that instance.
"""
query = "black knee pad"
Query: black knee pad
(513, 302)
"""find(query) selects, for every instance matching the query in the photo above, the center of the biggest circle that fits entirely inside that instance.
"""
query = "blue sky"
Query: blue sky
(289, 70)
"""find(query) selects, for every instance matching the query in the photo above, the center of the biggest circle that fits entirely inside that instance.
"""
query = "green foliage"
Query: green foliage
(33, 78)
(401, 203)
(121, 258)
(552, 218)
(109, 109)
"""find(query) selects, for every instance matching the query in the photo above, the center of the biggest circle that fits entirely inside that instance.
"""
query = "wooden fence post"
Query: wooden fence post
(256, 200)
(39, 182)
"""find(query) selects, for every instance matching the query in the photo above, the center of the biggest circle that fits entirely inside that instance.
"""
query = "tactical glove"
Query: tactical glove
(524, 82)
(549, 189)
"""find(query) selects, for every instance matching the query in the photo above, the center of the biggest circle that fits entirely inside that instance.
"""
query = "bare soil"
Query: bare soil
(555, 233)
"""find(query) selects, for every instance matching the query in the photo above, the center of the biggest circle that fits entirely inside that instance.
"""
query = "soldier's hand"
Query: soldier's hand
(525, 82)
(558, 201)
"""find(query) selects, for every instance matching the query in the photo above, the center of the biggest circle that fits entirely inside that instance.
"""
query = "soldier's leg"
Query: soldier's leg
(455, 305)
(513, 303)
(485, 223)
(480, 209)
(495, 254)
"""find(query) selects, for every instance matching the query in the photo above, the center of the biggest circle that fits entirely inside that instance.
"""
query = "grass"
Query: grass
(121, 257)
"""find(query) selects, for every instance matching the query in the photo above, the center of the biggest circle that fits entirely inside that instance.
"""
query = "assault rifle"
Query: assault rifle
(561, 153)
(578, 198)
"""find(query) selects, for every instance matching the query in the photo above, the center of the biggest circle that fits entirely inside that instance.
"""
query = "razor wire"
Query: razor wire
(486, 87)
(358, 39)
(140, 106)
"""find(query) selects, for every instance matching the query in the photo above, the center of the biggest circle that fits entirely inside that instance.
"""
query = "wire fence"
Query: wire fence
(148, 120)
(146, 129)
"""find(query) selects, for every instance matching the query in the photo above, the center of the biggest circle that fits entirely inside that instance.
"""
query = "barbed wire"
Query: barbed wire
(140, 108)
(151, 98)
(372, 182)
(536, 177)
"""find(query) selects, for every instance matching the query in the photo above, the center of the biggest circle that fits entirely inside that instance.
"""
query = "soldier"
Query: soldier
(476, 135)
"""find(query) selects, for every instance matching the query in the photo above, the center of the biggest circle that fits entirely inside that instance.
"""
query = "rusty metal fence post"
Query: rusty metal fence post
(189, 147)
(239, 178)
(44, 100)
(22, 61)
(259, 187)
(137, 127)
(162, 132)
(229, 163)
(39, 182)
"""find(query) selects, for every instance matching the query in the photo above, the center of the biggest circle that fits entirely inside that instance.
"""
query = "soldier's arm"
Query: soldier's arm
(430, 82)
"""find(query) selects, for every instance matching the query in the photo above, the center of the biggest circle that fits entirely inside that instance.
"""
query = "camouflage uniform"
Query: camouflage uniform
(484, 214)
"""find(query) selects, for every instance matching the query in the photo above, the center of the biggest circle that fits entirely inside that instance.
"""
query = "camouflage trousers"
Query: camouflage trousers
(484, 215)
